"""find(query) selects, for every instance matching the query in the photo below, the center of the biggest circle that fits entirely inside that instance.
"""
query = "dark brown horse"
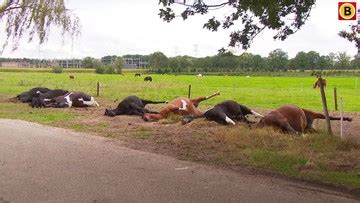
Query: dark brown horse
(317, 83)
(180, 106)
(292, 119)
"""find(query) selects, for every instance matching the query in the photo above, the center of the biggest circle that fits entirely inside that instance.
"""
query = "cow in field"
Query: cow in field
(292, 119)
(72, 77)
(137, 74)
(148, 78)
(131, 105)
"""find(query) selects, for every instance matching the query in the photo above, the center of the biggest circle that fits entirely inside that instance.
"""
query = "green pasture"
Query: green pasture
(257, 92)
(316, 157)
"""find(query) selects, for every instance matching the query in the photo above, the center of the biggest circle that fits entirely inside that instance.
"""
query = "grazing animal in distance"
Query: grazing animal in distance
(148, 78)
(199, 75)
(317, 83)
(137, 74)
(72, 99)
(131, 105)
(180, 106)
(72, 77)
(292, 119)
(43, 98)
(26, 97)
(229, 111)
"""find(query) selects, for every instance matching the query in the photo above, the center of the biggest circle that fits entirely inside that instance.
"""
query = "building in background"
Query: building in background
(68, 63)
(136, 61)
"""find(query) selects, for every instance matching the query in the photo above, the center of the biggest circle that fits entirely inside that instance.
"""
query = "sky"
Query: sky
(114, 27)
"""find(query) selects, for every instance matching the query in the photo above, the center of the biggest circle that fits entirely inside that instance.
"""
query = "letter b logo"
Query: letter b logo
(347, 10)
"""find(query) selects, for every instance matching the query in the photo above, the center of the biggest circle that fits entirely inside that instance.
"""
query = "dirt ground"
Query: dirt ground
(125, 124)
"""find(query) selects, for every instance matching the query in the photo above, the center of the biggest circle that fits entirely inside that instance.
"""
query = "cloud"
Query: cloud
(115, 27)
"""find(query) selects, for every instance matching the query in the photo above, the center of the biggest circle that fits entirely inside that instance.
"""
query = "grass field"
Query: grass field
(257, 92)
(316, 157)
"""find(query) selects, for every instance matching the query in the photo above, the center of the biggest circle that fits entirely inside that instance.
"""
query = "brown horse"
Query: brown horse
(317, 83)
(292, 119)
(180, 106)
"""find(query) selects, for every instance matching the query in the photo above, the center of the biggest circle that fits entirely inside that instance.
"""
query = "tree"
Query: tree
(326, 62)
(352, 36)
(355, 64)
(88, 62)
(118, 64)
(278, 59)
(313, 59)
(36, 17)
(299, 62)
(159, 61)
(286, 17)
(343, 61)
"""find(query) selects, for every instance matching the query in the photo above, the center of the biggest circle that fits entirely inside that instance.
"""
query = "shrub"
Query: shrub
(99, 68)
(109, 69)
(57, 69)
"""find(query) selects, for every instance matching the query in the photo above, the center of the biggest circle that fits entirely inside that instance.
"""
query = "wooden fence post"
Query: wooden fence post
(326, 112)
(97, 89)
(189, 94)
(335, 99)
(341, 117)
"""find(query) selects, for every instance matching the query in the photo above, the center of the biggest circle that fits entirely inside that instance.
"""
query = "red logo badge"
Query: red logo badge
(347, 10)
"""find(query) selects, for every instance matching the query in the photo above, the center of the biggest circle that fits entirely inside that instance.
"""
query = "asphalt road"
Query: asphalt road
(39, 163)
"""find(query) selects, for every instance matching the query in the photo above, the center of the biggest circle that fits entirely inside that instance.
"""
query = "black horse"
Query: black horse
(226, 112)
(229, 111)
(131, 105)
(43, 98)
(148, 78)
(26, 97)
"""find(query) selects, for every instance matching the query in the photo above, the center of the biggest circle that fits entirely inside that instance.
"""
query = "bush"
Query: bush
(57, 69)
(99, 68)
(109, 69)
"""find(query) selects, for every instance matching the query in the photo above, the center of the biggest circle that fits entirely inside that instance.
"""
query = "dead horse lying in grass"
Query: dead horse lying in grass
(131, 105)
(292, 119)
(180, 106)
(229, 111)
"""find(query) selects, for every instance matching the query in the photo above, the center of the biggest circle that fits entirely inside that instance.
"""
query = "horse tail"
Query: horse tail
(145, 102)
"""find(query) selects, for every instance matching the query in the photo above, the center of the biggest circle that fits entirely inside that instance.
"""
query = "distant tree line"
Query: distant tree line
(224, 62)
(277, 60)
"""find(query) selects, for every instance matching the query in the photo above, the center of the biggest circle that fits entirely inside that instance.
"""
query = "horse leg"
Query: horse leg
(197, 101)
(165, 112)
(286, 127)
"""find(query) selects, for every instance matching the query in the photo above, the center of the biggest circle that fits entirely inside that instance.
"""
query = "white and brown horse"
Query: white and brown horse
(180, 106)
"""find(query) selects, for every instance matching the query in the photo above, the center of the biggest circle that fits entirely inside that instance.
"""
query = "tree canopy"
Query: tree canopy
(352, 36)
(246, 18)
(34, 18)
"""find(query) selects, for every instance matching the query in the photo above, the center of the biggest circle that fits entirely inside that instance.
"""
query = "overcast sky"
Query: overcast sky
(113, 27)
